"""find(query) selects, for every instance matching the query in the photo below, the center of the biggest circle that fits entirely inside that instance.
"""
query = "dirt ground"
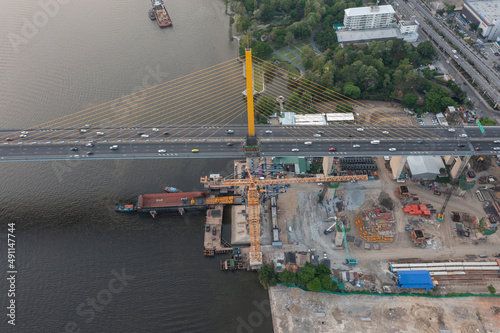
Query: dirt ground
(383, 113)
(300, 212)
(294, 310)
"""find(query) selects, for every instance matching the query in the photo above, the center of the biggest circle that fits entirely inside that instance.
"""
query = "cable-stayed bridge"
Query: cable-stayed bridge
(207, 114)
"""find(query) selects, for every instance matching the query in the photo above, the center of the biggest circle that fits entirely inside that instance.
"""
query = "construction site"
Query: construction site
(353, 219)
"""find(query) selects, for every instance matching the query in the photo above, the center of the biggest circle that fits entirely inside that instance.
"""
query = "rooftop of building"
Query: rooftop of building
(358, 11)
(488, 10)
(367, 35)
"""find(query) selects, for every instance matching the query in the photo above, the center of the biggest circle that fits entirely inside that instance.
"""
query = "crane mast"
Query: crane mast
(253, 203)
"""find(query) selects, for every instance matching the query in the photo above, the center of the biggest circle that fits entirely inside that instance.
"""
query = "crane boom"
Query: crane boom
(220, 182)
(253, 201)
(349, 260)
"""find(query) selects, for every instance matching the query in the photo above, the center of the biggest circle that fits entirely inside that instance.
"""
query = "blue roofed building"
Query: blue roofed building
(415, 279)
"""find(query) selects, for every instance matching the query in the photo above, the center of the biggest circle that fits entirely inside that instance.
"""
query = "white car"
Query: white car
(24, 132)
(229, 131)
(360, 129)
(451, 130)
(162, 150)
(385, 132)
(22, 135)
(90, 144)
(144, 136)
(496, 148)
(155, 130)
(83, 130)
(295, 149)
(496, 141)
(392, 149)
(317, 135)
(356, 146)
(100, 133)
(463, 135)
(308, 143)
(269, 132)
(114, 147)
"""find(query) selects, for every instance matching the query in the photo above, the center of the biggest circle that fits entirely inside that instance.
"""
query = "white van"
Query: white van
(375, 142)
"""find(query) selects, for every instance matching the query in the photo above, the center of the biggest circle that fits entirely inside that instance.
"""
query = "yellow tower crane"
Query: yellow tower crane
(252, 190)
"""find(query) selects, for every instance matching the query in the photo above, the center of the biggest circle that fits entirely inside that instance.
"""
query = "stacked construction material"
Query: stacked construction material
(417, 210)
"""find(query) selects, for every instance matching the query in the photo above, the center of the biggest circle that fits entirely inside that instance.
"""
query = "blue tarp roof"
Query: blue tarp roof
(415, 279)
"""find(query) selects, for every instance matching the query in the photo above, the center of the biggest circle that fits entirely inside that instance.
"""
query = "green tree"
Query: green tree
(266, 13)
(343, 107)
(294, 100)
(267, 276)
(323, 270)
(265, 105)
(289, 38)
(447, 101)
(492, 289)
(487, 122)
(306, 99)
(306, 274)
(449, 8)
(242, 23)
(327, 283)
(352, 91)
(288, 278)
(409, 100)
(432, 102)
(314, 285)
(426, 49)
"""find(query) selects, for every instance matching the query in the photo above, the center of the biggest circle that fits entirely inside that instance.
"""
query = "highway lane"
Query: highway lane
(134, 150)
(230, 132)
(423, 14)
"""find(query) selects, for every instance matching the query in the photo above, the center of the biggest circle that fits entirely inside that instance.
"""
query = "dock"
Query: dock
(214, 243)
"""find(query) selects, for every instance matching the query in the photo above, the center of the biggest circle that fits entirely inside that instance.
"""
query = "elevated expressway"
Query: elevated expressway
(215, 142)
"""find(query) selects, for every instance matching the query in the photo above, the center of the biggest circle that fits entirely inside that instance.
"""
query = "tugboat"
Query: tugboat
(151, 15)
(169, 189)
(126, 208)
(161, 14)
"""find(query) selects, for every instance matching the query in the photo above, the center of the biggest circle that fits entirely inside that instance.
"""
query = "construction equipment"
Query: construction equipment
(330, 229)
(252, 201)
(349, 260)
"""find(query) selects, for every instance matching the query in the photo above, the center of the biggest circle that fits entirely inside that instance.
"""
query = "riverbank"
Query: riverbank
(295, 310)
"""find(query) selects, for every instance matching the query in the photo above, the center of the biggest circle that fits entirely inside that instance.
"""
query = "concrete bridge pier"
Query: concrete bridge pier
(458, 167)
(327, 165)
(397, 164)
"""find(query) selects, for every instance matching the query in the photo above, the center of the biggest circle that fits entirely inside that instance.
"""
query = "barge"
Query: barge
(161, 14)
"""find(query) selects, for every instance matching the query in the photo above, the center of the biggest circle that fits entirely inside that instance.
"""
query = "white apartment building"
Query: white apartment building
(373, 17)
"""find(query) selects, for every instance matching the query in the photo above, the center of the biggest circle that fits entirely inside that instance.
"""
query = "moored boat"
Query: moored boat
(126, 208)
(170, 189)
(161, 14)
(152, 15)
